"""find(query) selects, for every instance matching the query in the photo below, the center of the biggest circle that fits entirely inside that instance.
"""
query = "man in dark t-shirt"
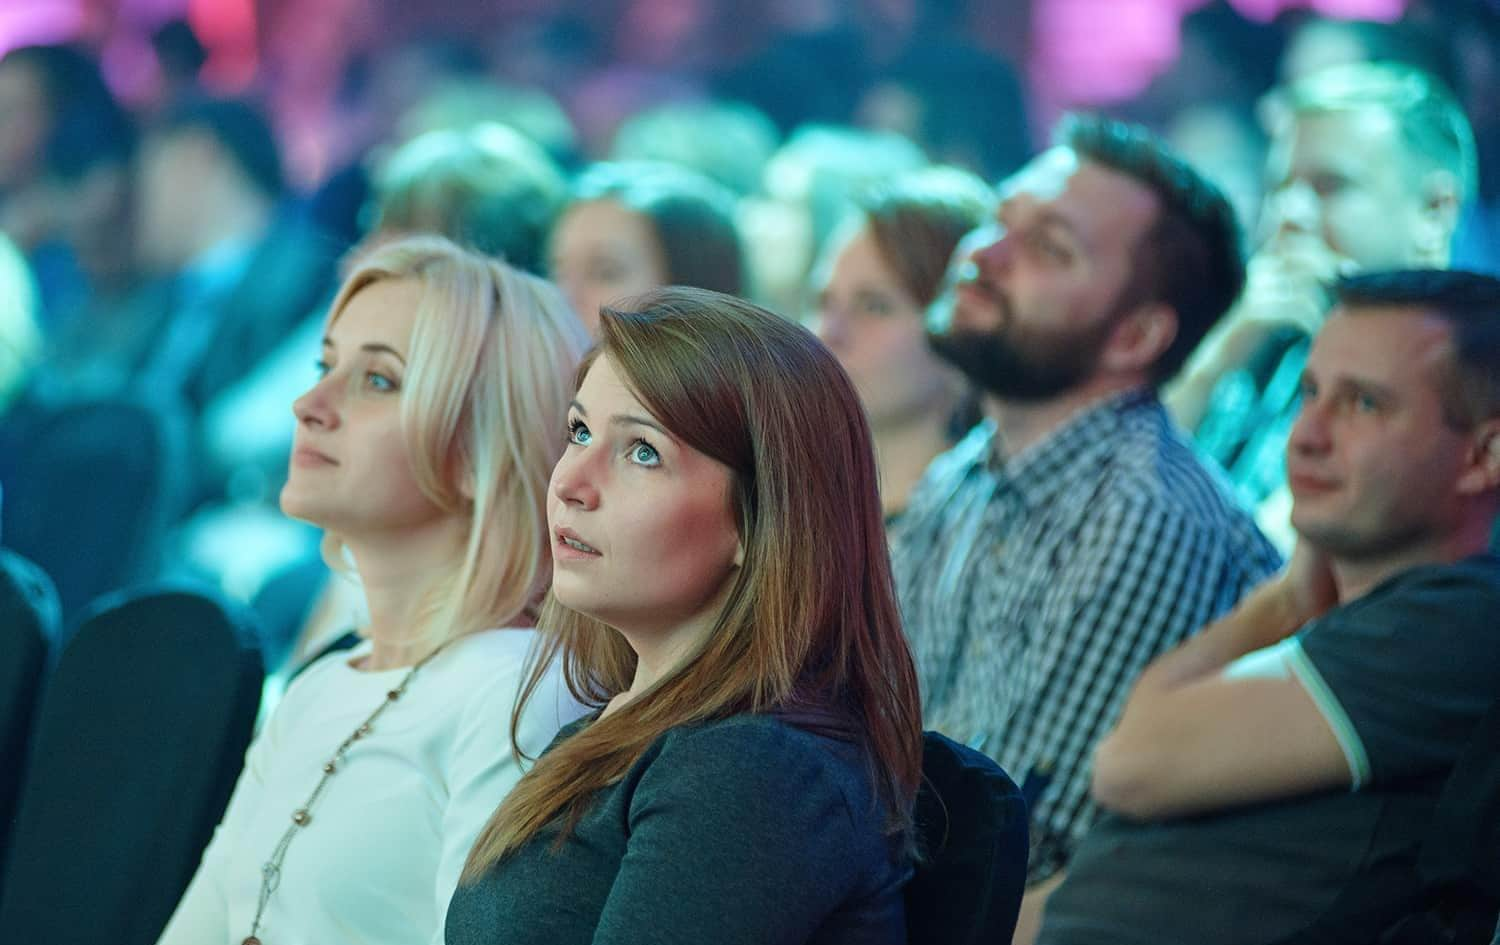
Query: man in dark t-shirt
(1271, 780)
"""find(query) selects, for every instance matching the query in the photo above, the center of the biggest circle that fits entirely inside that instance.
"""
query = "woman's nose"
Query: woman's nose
(317, 407)
(573, 482)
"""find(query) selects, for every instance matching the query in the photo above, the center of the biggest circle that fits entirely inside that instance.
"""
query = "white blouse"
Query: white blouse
(381, 855)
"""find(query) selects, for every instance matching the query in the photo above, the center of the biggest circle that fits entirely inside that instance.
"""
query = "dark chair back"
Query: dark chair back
(972, 831)
(29, 622)
(139, 739)
(1459, 863)
(88, 498)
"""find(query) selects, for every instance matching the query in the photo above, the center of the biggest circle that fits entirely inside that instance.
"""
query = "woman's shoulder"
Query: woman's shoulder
(486, 653)
(765, 751)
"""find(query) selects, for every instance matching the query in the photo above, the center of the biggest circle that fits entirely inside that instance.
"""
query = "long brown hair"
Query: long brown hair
(810, 629)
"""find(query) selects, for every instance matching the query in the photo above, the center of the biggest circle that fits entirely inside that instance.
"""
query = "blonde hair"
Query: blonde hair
(483, 408)
(810, 630)
(1432, 123)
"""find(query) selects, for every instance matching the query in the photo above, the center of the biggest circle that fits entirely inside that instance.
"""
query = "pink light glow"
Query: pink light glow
(1092, 52)
(1385, 11)
(28, 22)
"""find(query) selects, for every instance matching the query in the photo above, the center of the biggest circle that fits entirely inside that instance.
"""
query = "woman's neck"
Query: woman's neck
(398, 578)
(903, 453)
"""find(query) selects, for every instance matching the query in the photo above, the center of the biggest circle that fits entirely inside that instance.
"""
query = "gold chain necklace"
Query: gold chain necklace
(270, 871)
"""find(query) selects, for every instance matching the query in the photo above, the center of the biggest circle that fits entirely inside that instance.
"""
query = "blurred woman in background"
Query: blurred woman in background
(635, 226)
(879, 272)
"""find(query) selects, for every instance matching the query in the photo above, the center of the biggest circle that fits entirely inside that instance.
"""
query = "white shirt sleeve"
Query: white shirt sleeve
(202, 915)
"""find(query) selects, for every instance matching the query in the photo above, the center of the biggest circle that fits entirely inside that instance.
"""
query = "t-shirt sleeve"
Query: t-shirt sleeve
(738, 835)
(1404, 674)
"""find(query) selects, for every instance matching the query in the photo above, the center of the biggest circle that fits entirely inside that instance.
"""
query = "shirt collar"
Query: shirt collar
(1073, 450)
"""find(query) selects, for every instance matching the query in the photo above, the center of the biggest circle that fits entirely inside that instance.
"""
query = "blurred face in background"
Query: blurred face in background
(167, 203)
(874, 326)
(1344, 180)
(602, 252)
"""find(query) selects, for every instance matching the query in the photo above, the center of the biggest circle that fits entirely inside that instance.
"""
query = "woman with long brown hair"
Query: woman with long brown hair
(722, 595)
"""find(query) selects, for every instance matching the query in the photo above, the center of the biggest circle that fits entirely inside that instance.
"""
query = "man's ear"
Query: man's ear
(1483, 474)
(1140, 338)
(1441, 203)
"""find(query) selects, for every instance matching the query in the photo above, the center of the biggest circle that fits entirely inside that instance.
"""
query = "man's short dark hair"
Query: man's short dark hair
(240, 129)
(1470, 303)
(1191, 258)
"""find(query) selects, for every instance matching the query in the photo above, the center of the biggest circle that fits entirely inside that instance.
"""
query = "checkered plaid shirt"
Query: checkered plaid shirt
(1036, 588)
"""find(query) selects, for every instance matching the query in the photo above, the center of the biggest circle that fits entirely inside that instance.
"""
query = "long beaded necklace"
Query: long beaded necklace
(270, 871)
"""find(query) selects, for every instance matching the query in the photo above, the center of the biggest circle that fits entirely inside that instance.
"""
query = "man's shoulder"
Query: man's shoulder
(948, 469)
(1156, 464)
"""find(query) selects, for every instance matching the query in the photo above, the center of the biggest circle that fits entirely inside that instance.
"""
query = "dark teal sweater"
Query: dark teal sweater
(746, 830)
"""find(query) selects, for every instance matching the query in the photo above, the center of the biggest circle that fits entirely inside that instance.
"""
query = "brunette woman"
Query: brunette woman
(722, 596)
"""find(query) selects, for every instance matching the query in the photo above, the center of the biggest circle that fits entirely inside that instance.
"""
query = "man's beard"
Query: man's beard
(1012, 365)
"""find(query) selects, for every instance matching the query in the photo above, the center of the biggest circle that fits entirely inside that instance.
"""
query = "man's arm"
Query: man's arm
(1195, 738)
(1033, 901)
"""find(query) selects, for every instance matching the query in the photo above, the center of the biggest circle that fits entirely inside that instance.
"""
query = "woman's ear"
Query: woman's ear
(739, 552)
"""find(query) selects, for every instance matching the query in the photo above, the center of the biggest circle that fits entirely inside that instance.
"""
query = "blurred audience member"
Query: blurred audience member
(806, 190)
(486, 187)
(1318, 43)
(950, 95)
(879, 272)
(1072, 538)
(636, 226)
(20, 338)
(424, 451)
(58, 119)
(1369, 167)
(461, 103)
(1275, 778)
(1227, 146)
(730, 142)
(244, 269)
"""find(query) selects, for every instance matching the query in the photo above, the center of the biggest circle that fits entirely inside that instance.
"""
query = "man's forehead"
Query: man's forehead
(1361, 128)
(1380, 340)
(1045, 176)
(1094, 199)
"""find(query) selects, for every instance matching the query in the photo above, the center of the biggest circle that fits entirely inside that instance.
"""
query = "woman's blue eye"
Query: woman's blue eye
(644, 454)
(322, 367)
(379, 381)
(579, 433)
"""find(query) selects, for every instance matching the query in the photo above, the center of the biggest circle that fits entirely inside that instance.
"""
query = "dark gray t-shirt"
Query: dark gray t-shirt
(1404, 674)
(746, 830)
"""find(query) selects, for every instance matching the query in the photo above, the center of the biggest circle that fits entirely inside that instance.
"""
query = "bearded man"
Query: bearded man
(1074, 535)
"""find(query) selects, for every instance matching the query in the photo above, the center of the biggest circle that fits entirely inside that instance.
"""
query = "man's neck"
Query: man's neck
(1024, 423)
(1356, 578)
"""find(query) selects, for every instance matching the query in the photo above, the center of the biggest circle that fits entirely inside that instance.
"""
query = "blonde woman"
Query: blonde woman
(423, 451)
(722, 595)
